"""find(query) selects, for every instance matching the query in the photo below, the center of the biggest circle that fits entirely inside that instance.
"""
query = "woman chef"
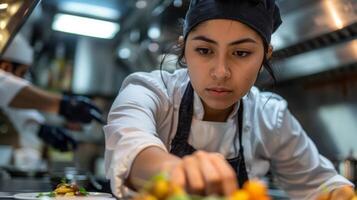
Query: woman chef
(207, 125)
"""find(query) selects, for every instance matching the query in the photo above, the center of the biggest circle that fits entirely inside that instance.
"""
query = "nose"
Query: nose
(220, 70)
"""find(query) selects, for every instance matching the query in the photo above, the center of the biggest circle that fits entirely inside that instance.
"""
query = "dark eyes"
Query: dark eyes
(207, 51)
(204, 51)
(241, 53)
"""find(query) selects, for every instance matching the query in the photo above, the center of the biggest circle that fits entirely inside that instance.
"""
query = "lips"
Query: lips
(218, 91)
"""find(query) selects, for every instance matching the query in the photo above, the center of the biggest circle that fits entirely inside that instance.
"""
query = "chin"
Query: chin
(220, 105)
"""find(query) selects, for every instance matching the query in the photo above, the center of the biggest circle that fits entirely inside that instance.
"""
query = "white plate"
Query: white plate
(92, 195)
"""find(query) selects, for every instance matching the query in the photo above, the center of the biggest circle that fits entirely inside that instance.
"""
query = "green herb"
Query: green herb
(40, 195)
(64, 180)
(50, 194)
(83, 191)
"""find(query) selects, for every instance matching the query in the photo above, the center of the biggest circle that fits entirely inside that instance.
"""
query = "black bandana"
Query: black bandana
(261, 15)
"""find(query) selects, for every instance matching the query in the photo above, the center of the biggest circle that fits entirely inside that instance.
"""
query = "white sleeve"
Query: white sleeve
(10, 85)
(131, 128)
(27, 123)
(301, 171)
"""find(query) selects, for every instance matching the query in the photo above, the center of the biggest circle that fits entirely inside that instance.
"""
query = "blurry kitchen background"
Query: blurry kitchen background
(88, 47)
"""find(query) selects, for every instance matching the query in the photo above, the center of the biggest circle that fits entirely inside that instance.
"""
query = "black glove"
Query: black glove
(57, 137)
(79, 109)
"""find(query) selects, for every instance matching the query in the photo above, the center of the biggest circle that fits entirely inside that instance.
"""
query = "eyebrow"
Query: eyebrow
(240, 41)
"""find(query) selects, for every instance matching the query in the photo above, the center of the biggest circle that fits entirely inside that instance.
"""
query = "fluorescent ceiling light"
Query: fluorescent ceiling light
(90, 10)
(3, 6)
(85, 26)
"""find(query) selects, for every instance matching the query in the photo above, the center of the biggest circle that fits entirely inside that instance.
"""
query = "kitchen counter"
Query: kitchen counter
(10, 187)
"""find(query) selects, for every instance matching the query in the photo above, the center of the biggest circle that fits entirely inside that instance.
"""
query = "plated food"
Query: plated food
(160, 188)
(66, 189)
(90, 196)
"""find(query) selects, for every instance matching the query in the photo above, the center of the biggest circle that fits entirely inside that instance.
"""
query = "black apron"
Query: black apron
(180, 146)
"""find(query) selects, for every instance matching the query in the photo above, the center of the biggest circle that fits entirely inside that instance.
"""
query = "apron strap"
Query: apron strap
(180, 146)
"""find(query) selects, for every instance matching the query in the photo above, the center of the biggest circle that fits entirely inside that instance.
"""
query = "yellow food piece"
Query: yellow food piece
(69, 194)
(145, 197)
(63, 189)
(239, 195)
(345, 192)
(255, 189)
(160, 189)
(324, 196)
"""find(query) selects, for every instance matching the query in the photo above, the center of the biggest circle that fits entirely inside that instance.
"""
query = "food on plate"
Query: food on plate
(66, 189)
(160, 188)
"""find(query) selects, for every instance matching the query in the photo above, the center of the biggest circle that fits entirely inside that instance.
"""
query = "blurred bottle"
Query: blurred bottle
(60, 76)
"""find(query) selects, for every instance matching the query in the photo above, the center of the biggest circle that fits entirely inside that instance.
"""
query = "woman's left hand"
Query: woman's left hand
(343, 193)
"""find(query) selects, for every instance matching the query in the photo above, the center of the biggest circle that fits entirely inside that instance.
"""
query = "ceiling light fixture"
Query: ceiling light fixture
(90, 10)
(85, 26)
(3, 6)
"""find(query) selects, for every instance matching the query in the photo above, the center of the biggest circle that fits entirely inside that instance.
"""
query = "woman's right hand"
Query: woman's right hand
(203, 173)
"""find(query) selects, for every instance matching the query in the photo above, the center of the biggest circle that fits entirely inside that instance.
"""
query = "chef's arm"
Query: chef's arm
(73, 108)
(31, 97)
(200, 173)
(148, 163)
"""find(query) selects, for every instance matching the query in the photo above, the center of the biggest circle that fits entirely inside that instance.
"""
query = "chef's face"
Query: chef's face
(14, 68)
(223, 58)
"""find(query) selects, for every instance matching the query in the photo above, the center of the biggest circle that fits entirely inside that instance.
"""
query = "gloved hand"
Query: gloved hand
(57, 137)
(79, 109)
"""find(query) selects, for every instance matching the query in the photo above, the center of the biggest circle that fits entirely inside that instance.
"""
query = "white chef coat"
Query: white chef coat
(10, 85)
(27, 123)
(145, 113)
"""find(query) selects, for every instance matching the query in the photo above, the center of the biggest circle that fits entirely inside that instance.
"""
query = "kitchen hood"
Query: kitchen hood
(316, 36)
(13, 14)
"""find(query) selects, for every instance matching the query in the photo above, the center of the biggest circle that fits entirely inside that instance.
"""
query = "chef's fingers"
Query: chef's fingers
(227, 174)
(209, 173)
(177, 175)
(195, 183)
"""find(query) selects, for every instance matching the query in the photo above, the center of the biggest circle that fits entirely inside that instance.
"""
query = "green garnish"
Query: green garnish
(50, 194)
(83, 191)
(64, 180)
(40, 195)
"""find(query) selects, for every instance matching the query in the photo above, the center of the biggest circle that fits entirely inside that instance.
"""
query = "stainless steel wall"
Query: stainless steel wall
(326, 106)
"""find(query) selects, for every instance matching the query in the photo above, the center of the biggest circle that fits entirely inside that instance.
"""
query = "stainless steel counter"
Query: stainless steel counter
(9, 187)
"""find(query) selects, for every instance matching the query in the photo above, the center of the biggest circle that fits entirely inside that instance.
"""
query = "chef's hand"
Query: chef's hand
(343, 193)
(79, 109)
(57, 137)
(203, 173)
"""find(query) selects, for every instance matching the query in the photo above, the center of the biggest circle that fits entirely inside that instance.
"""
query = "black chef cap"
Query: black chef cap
(261, 15)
